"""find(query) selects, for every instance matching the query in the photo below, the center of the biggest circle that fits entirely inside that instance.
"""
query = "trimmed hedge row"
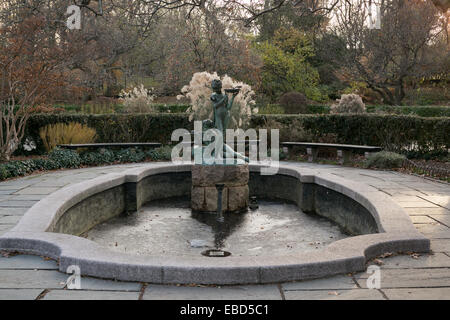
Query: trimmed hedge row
(114, 127)
(421, 111)
(393, 132)
(63, 158)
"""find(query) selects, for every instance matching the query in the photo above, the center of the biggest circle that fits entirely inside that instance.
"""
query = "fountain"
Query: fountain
(170, 223)
(230, 172)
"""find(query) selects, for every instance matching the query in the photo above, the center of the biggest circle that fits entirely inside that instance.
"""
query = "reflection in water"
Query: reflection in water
(222, 227)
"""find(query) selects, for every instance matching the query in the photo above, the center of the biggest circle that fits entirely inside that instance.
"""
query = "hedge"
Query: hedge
(421, 111)
(393, 132)
(114, 127)
(63, 158)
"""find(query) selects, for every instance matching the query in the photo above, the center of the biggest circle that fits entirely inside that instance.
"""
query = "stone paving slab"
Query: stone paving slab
(37, 190)
(108, 285)
(423, 220)
(357, 294)
(417, 204)
(4, 197)
(31, 279)
(402, 277)
(6, 192)
(90, 295)
(9, 219)
(17, 203)
(410, 278)
(255, 292)
(440, 245)
(27, 262)
(9, 189)
(437, 260)
(32, 197)
(5, 227)
(53, 183)
(442, 201)
(426, 211)
(331, 283)
(432, 231)
(418, 294)
(441, 218)
(19, 294)
(402, 192)
(13, 211)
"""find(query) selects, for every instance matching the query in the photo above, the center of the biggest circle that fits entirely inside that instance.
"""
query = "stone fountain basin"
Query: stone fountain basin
(51, 227)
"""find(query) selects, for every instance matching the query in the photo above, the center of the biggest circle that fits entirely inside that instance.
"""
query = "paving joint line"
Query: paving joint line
(433, 202)
(438, 222)
(383, 294)
(42, 294)
(280, 288)
(356, 282)
(142, 291)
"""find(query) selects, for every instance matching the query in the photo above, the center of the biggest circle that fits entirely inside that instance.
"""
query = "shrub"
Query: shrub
(160, 154)
(138, 100)
(349, 103)
(199, 93)
(61, 133)
(385, 160)
(46, 164)
(130, 155)
(271, 109)
(65, 158)
(294, 102)
(103, 156)
(171, 108)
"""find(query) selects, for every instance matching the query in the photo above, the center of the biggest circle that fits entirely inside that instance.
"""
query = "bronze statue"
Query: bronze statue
(222, 105)
(221, 112)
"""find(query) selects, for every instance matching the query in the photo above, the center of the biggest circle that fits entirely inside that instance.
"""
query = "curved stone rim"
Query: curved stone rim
(397, 234)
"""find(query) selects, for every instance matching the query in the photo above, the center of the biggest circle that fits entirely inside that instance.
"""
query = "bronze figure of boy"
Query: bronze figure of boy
(222, 105)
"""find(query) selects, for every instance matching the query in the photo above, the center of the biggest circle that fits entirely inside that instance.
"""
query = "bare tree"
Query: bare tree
(384, 58)
(31, 69)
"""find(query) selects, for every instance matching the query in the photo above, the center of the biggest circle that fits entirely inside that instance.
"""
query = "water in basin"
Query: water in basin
(169, 227)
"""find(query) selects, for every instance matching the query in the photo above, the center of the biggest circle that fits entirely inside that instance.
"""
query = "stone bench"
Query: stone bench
(111, 145)
(344, 151)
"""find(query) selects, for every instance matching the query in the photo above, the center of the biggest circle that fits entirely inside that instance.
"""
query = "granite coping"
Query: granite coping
(397, 234)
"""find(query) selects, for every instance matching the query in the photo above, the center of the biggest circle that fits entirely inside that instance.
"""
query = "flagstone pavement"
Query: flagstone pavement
(413, 276)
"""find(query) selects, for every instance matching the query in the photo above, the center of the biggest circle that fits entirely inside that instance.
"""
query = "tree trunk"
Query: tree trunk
(399, 94)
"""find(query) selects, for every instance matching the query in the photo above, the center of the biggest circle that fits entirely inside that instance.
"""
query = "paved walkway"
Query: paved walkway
(409, 276)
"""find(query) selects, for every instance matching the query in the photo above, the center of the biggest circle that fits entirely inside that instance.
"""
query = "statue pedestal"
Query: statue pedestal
(204, 195)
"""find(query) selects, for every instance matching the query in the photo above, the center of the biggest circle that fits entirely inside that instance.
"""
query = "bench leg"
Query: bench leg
(285, 150)
(312, 154)
(367, 154)
(344, 156)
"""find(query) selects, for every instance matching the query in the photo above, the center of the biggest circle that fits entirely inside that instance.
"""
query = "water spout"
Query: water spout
(220, 187)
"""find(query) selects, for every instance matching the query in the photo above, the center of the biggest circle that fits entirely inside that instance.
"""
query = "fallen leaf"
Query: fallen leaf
(331, 293)
(378, 262)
